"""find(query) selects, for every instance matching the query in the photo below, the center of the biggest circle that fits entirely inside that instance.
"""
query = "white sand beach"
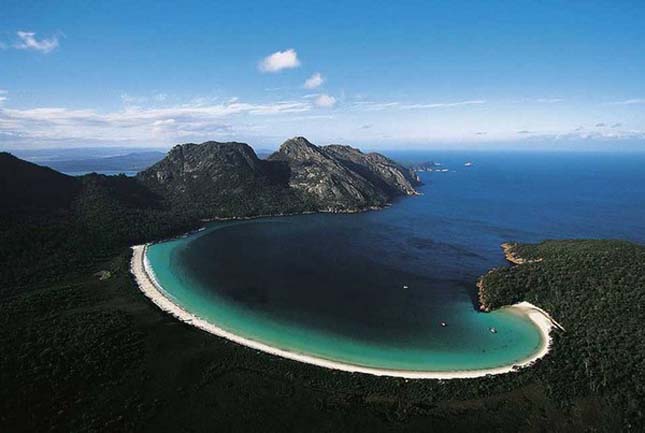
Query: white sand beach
(149, 286)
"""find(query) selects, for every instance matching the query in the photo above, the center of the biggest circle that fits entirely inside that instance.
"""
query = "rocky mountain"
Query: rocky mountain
(228, 179)
(381, 171)
(341, 178)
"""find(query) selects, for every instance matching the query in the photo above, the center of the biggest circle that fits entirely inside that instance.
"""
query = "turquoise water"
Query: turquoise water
(333, 285)
(516, 339)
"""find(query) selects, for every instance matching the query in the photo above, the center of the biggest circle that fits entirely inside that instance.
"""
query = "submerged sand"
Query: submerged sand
(145, 278)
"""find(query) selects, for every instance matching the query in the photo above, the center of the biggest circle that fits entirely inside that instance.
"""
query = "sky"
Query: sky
(378, 74)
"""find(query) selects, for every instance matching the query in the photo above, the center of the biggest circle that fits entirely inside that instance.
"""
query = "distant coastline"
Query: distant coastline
(150, 287)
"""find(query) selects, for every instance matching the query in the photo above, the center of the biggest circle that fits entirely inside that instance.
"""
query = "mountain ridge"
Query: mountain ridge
(299, 177)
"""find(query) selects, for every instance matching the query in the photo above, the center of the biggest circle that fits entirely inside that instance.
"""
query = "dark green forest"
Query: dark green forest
(83, 350)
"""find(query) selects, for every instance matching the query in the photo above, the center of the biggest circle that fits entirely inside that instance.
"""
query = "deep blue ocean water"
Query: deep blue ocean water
(333, 285)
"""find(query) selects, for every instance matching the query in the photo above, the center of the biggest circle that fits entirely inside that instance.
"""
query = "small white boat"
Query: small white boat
(405, 287)
(468, 164)
(444, 324)
(493, 330)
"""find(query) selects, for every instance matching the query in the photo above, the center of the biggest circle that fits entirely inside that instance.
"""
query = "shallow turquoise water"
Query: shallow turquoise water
(466, 343)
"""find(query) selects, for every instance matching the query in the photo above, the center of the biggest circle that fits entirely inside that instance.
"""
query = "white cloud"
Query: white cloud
(379, 106)
(138, 124)
(314, 81)
(132, 100)
(325, 101)
(375, 106)
(442, 104)
(634, 101)
(280, 60)
(28, 41)
(549, 100)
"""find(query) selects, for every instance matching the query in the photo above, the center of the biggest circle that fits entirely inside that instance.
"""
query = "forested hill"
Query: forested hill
(596, 290)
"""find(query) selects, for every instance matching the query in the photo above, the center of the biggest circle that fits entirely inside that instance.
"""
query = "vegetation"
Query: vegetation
(596, 290)
(81, 353)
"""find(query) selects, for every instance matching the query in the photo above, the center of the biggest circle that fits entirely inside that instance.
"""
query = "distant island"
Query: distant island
(425, 166)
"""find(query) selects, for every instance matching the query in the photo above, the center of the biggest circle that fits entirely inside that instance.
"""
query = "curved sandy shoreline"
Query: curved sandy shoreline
(147, 283)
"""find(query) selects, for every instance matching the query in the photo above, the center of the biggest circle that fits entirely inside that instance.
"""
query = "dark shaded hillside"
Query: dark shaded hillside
(28, 190)
(49, 217)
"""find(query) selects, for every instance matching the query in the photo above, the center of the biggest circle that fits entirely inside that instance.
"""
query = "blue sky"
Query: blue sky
(380, 74)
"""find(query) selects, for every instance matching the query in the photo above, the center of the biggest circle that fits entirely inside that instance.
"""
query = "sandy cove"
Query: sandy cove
(145, 278)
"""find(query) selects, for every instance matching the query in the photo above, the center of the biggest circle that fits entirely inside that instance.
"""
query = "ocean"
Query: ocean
(373, 289)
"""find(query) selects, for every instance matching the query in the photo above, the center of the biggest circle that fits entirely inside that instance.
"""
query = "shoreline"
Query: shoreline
(144, 276)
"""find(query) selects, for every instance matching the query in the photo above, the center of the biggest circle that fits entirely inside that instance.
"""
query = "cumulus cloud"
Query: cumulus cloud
(29, 41)
(314, 81)
(287, 59)
(325, 101)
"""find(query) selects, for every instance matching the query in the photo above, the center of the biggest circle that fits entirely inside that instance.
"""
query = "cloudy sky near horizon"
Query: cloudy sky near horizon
(378, 73)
